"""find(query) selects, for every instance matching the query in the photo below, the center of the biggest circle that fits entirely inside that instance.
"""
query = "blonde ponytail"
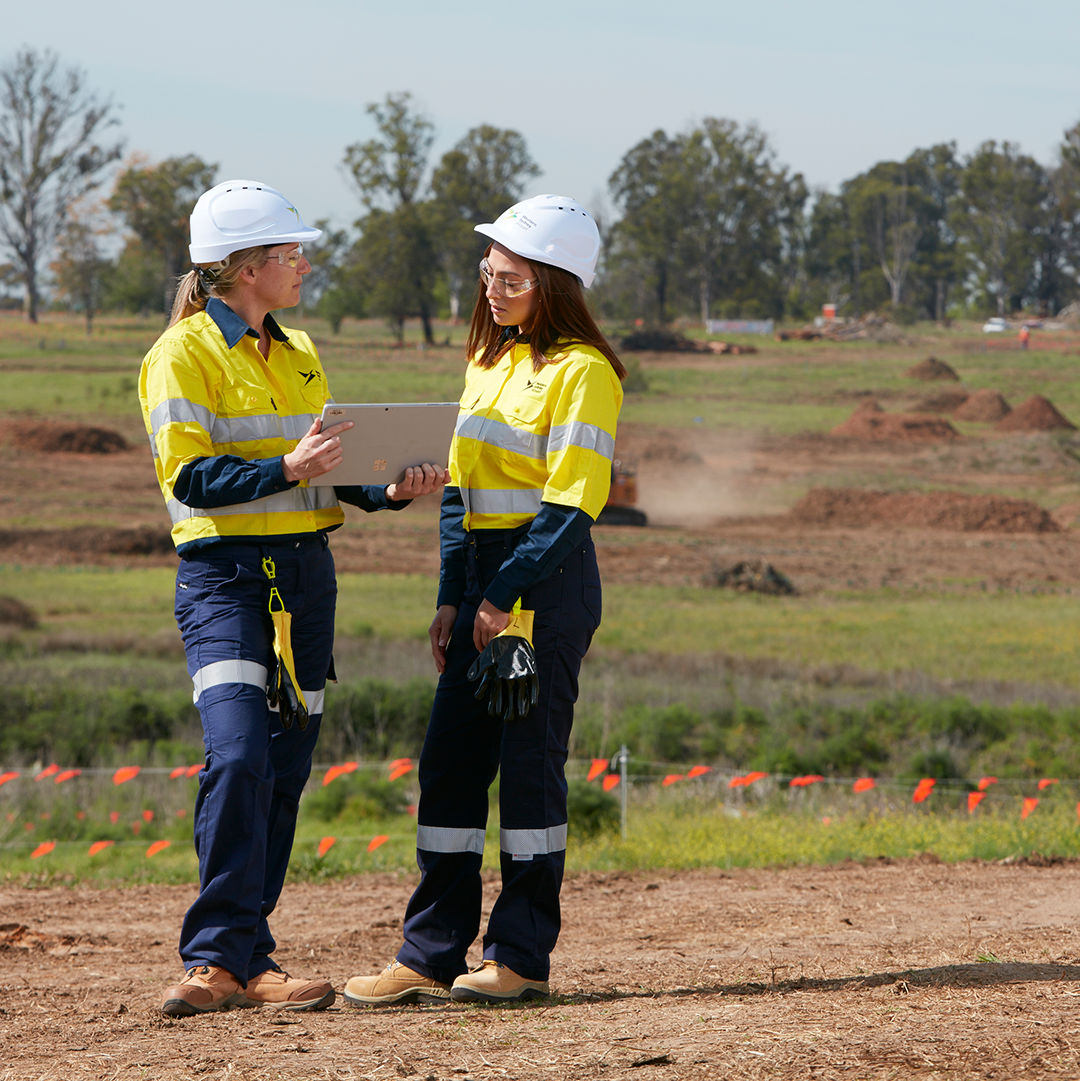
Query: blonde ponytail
(208, 280)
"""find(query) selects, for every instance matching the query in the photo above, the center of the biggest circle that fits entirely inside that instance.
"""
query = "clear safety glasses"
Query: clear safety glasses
(291, 259)
(503, 286)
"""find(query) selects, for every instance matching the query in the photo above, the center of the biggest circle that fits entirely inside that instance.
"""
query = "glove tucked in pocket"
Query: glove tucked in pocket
(283, 689)
(507, 669)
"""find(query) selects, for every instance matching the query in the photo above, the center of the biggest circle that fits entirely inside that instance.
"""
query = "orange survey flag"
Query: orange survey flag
(156, 847)
(863, 784)
(671, 778)
(1046, 782)
(99, 846)
(599, 765)
(325, 845)
(697, 771)
(43, 849)
(125, 773)
(610, 781)
(1030, 803)
(986, 782)
(66, 775)
(376, 841)
(974, 799)
(923, 789)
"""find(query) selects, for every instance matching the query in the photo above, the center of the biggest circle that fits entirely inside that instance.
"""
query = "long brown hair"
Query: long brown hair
(562, 318)
(208, 280)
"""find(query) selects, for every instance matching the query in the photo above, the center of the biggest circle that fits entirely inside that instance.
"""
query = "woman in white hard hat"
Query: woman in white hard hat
(231, 402)
(530, 468)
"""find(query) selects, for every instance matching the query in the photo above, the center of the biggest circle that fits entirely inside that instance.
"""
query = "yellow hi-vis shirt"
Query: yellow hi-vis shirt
(200, 398)
(526, 437)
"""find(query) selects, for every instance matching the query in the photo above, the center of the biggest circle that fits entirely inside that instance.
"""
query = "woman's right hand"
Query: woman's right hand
(317, 453)
(439, 632)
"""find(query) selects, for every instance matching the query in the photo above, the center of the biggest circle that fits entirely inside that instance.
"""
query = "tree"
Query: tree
(475, 181)
(649, 188)
(80, 267)
(155, 202)
(708, 213)
(395, 233)
(51, 155)
(998, 218)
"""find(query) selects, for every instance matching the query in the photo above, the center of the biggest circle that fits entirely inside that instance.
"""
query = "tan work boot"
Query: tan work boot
(281, 991)
(203, 990)
(492, 982)
(395, 985)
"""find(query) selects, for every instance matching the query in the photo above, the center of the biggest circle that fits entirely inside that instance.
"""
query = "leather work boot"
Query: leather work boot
(492, 982)
(281, 991)
(203, 990)
(395, 985)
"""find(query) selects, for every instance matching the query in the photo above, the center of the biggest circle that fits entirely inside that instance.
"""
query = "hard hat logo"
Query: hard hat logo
(550, 229)
(241, 214)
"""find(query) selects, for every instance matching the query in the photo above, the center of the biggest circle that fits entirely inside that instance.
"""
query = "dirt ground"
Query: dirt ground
(890, 970)
(712, 499)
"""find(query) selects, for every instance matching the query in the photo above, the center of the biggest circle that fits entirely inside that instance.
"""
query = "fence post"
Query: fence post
(622, 756)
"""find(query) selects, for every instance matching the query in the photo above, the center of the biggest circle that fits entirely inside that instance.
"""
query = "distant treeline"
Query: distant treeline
(707, 223)
(379, 720)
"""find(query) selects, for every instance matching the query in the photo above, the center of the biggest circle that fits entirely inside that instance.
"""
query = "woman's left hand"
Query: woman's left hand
(489, 622)
(419, 480)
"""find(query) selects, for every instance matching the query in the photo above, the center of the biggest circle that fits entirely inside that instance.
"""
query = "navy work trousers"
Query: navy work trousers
(465, 748)
(255, 770)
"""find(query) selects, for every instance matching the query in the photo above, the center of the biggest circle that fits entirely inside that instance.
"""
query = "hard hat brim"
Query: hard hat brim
(213, 253)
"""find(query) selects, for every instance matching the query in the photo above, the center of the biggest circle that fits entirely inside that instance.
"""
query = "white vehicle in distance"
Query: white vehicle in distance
(995, 325)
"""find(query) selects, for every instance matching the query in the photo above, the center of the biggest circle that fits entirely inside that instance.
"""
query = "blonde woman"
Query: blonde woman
(231, 402)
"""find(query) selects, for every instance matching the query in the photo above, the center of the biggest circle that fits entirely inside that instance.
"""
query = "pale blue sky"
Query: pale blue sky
(274, 91)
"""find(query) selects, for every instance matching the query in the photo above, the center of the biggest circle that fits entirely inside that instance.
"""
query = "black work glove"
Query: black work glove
(507, 670)
(281, 692)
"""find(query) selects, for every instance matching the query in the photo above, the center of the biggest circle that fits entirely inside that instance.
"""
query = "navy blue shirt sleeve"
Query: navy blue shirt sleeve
(369, 497)
(555, 532)
(451, 548)
(225, 479)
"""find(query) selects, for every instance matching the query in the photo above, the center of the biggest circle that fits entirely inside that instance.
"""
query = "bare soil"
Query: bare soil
(712, 498)
(838, 972)
(1037, 414)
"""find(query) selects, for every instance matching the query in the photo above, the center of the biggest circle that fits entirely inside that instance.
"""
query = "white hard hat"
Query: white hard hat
(243, 214)
(550, 229)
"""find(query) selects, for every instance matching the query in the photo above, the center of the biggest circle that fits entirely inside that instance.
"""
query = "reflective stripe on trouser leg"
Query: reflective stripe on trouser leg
(255, 771)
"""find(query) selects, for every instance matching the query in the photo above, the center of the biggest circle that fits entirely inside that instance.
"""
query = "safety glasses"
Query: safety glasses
(503, 286)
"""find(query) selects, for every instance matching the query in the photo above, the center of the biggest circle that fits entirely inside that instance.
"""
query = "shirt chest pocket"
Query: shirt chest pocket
(531, 412)
(246, 413)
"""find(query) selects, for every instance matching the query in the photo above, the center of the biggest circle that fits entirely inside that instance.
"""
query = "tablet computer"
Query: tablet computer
(387, 438)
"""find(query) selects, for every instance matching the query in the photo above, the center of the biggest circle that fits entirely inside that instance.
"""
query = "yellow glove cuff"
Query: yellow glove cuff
(520, 625)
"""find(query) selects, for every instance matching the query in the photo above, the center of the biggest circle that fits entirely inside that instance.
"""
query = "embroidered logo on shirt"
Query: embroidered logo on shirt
(308, 376)
(535, 385)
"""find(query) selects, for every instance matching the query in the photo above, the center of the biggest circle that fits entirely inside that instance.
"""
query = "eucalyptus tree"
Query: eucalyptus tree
(475, 181)
(155, 203)
(53, 151)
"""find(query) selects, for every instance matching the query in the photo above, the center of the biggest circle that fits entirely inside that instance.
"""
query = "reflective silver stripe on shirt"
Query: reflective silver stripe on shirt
(450, 839)
(314, 701)
(579, 434)
(294, 501)
(502, 500)
(265, 426)
(230, 429)
(231, 671)
(497, 433)
(533, 842)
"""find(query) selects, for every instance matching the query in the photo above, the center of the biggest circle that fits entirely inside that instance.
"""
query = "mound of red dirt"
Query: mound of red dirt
(871, 423)
(1037, 414)
(69, 438)
(932, 368)
(945, 402)
(986, 406)
(854, 507)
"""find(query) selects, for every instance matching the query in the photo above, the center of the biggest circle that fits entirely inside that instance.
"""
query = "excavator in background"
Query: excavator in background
(621, 508)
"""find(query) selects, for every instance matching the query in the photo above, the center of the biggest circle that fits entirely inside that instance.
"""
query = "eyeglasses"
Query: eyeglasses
(503, 287)
(290, 259)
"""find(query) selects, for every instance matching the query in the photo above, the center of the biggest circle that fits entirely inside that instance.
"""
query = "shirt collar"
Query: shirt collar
(233, 328)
